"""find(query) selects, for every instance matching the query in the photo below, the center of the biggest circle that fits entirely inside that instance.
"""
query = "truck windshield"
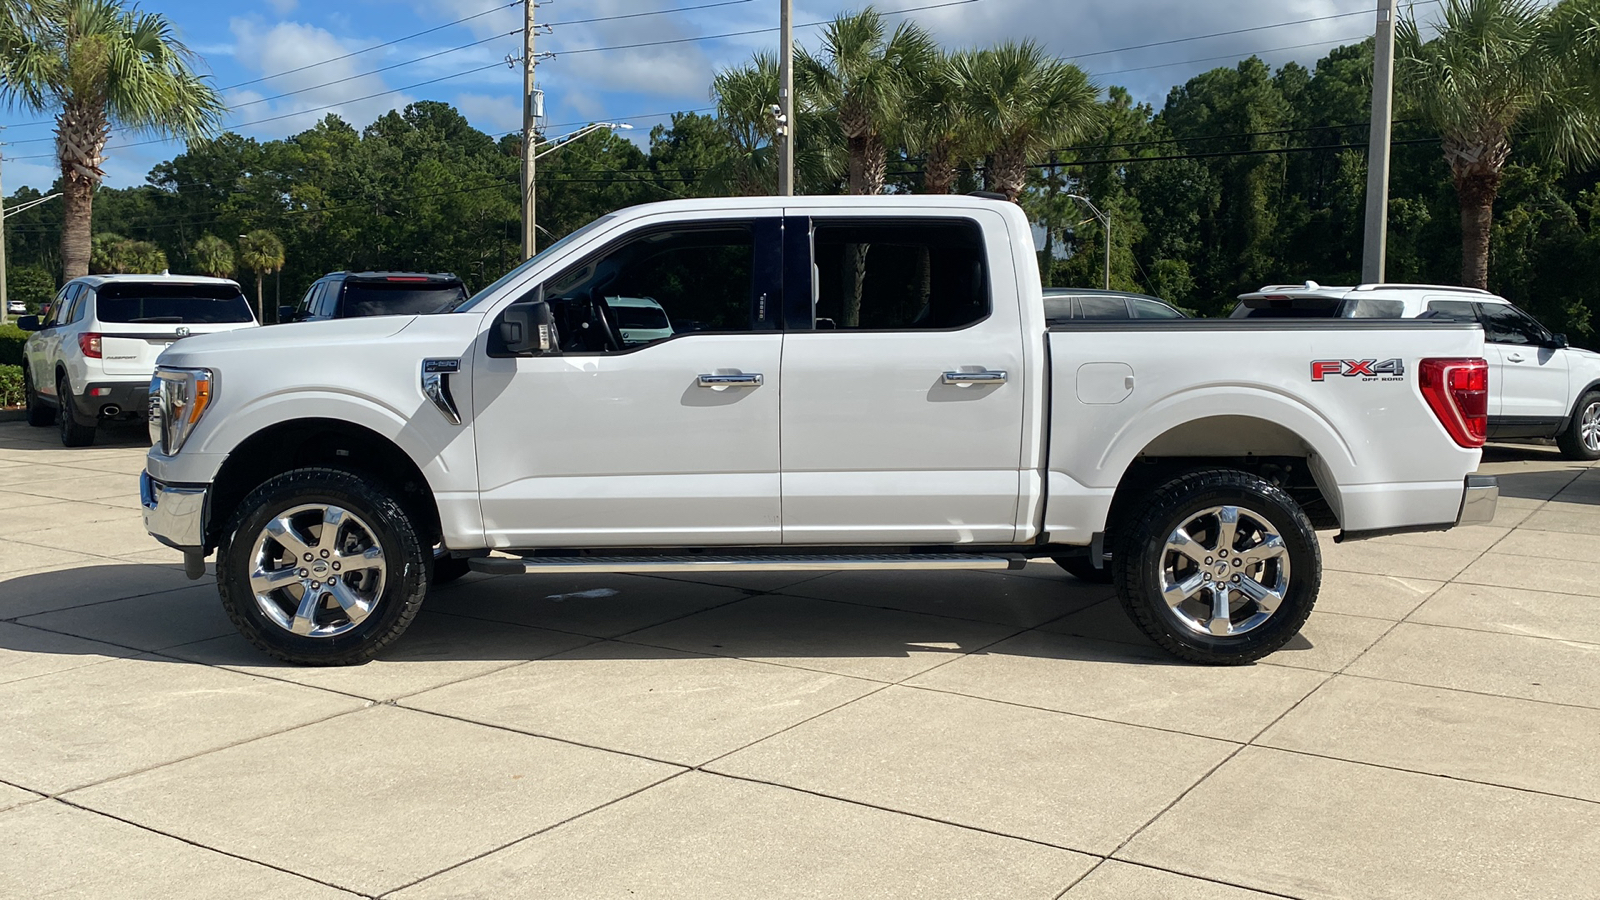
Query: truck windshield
(176, 304)
(383, 298)
(538, 258)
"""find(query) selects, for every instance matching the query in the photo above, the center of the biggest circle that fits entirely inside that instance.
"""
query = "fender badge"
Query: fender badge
(441, 366)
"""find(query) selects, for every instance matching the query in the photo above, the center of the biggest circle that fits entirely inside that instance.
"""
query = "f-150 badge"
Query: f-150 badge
(1365, 369)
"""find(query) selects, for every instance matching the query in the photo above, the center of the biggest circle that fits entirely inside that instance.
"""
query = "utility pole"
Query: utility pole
(5, 306)
(1376, 239)
(529, 241)
(786, 123)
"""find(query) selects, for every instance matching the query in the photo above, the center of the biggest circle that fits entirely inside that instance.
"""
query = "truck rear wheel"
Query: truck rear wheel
(1221, 567)
(1581, 440)
(322, 567)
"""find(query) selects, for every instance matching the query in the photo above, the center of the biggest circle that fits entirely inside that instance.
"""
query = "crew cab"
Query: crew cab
(1540, 387)
(871, 384)
(91, 359)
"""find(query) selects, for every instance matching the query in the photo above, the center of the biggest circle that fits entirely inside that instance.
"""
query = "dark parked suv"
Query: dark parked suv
(344, 295)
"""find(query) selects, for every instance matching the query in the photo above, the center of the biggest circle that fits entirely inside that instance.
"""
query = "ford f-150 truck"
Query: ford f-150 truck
(857, 383)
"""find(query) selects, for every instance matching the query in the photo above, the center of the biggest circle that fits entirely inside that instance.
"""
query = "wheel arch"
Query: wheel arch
(333, 443)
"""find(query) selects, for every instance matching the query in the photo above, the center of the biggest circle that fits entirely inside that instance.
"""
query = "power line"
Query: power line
(1189, 62)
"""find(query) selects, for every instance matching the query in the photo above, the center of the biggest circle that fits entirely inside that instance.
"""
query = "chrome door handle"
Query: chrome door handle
(969, 378)
(752, 379)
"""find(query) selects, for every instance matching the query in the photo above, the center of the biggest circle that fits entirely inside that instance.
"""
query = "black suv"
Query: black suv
(344, 295)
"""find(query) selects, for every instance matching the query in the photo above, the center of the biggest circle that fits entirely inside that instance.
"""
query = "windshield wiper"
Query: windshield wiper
(156, 320)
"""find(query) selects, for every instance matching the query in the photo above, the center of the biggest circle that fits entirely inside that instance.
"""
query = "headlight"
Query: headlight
(178, 398)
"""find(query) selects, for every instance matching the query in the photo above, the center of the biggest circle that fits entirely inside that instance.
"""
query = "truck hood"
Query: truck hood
(196, 350)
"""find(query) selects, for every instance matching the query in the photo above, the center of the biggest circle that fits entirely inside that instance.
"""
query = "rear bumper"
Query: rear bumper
(1479, 501)
(111, 400)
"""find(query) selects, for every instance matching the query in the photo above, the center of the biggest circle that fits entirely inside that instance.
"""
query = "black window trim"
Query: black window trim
(810, 269)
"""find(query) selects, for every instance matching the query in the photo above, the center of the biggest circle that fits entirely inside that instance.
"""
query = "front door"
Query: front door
(1533, 373)
(658, 424)
(903, 384)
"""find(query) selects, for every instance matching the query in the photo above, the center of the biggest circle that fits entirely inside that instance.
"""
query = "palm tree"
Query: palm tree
(1020, 102)
(745, 96)
(212, 256)
(1498, 69)
(114, 254)
(865, 82)
(101, 65)
(936, 125)
(261, 252)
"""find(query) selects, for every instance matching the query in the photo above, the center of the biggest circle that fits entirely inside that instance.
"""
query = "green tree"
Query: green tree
(100, 64)
(1498, 68)
(261, 252)
(1020, 103)
(864, 82)
(32, 285)
(212, 256)
(935, 125)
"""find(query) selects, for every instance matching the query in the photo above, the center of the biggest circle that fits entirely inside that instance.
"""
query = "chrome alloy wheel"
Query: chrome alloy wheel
(1224, 571)
(317, 570)
(1589, 427)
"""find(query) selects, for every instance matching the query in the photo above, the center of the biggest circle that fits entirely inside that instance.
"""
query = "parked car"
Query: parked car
(347, 295)
(940, 424)
(92, 359)
(1539, 386)
(1086, 303)
(16, 307)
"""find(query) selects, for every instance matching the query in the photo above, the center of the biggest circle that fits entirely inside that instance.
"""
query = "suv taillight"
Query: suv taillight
(1458, 392)
(89, 343)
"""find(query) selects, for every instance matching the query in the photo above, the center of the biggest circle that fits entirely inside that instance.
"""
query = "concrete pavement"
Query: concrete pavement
(955, 735)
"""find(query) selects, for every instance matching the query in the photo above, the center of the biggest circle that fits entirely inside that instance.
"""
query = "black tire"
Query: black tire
(405, 567)
(447, 568)
(1574, 442)
(39, 415)
(72, 433)
(1143, 560)
(1082, 568)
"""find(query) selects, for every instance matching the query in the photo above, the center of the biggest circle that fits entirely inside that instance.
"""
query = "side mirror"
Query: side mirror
(1559, 342)
(528, 329)
(29, 323)
(286, 314)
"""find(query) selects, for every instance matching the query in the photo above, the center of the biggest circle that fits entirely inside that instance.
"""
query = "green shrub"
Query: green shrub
(11, 341)
(10, 386)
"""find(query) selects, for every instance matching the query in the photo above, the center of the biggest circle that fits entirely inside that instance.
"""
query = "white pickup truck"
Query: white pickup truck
(847, 383)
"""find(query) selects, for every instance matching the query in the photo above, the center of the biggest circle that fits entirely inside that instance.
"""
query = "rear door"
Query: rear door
(138, 320)
(903, 387)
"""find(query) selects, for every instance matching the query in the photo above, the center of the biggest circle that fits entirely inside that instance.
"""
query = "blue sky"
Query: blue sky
(246, 44)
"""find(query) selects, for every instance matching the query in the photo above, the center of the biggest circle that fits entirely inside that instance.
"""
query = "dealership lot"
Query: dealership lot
(958, 735)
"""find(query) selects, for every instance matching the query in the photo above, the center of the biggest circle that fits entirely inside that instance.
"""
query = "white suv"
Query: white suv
(1539, 387)
(92, 353)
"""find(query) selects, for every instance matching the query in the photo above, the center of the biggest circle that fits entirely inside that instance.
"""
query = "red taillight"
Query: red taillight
(89, 343)
(1458, 392)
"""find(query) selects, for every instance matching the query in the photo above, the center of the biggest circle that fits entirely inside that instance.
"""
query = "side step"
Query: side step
(567, 565)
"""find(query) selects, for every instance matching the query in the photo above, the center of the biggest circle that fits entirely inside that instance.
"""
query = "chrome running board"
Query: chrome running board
(568, 565)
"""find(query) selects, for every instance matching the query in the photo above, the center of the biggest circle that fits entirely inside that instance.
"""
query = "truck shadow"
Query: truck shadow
(879, 625)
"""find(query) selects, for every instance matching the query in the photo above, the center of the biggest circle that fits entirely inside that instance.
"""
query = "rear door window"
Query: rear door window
(400, 297)
(899, 275)
(1454, 309)
(1150, 309)
(173, 304)
(1103, 307)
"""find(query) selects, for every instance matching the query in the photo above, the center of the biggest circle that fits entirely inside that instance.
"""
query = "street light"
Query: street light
(1105, 220)
(555, 144)
(529, 237)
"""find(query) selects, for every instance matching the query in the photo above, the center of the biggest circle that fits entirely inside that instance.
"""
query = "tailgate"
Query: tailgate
(132, 349)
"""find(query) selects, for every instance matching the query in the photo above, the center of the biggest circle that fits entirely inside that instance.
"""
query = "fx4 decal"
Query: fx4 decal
(1366, 369)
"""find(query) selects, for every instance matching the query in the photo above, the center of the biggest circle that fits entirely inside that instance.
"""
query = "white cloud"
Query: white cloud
(283, 7)
(304, 97)
(494, 115)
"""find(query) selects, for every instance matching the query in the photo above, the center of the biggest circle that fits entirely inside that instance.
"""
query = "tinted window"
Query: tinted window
(326, 293)
(304, 309)
(1509, 325)
(1367, 308)
(199, 304)
(1287, 308)
(1057, 307)
(701, 277)
(387, 298)
(1457, 309)
(1150, 309)
(1102, 307)
(910, 274)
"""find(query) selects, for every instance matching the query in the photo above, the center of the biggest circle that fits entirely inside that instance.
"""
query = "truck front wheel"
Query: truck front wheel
(322, 567)
(1221, 567)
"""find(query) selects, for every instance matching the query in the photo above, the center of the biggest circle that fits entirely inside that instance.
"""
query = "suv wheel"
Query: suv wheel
(72, 434)
(1222, 567)
(322, 567)
(39, 415)
(1581, 440)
